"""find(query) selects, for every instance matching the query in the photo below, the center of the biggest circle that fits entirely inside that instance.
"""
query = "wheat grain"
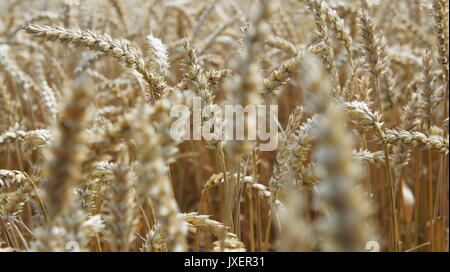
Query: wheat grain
(87, 154)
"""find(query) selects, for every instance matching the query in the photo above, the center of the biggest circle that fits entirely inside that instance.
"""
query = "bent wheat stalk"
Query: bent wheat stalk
(121, 50)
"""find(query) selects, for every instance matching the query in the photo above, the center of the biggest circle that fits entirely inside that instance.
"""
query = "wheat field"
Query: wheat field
(88, 161)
